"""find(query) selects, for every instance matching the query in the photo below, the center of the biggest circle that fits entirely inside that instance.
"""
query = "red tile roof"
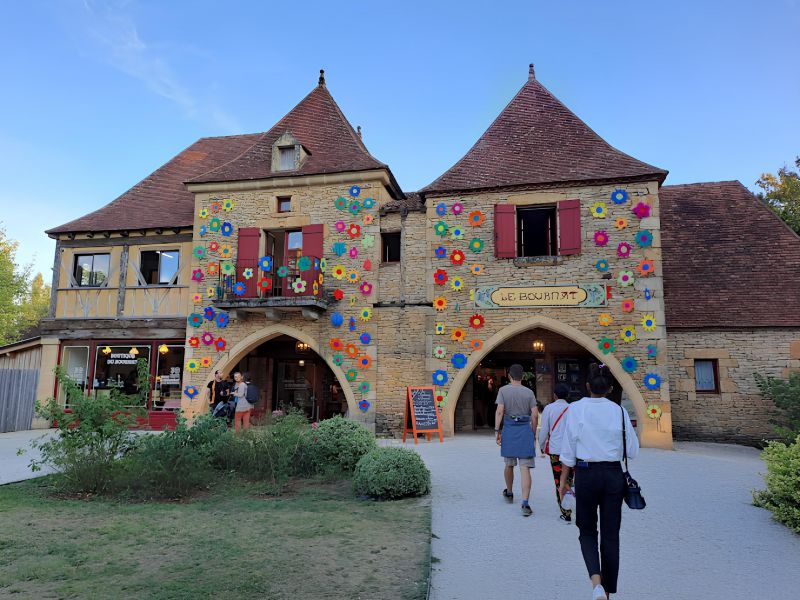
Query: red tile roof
(319, 125)
(161, 200)
(538, 140)
(729, 261)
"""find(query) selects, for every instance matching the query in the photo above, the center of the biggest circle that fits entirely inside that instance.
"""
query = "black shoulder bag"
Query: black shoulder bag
(633, 493)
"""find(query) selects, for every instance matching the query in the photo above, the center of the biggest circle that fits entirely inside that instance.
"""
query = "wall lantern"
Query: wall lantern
(106, 350)
(538, 346)
(301, 363)
(301, 346)
(163, 349)
(134, 351)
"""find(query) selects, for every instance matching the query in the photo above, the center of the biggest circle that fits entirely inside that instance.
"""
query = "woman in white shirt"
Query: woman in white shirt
(241, 415)
(592, 445)
(551, 436)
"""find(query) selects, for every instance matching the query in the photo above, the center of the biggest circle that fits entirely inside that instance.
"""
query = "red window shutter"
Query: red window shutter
(569, 227)
(247, 250)
(313, 241)
(505, 231)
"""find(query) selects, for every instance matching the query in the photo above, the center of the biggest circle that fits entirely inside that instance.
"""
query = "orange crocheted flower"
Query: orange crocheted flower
(352, 350)
(365, 361)
(458, 335)
(476, 218)
(336, 344)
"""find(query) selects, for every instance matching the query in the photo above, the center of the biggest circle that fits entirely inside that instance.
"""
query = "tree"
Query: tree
(782, 193)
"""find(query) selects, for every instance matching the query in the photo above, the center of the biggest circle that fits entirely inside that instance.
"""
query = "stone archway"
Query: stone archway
(258, 337)
(648, 433)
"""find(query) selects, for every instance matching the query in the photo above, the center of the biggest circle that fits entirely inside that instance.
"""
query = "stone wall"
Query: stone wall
(738, 413)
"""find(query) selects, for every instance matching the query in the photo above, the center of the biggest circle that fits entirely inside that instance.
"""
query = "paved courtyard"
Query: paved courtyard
(698, 538)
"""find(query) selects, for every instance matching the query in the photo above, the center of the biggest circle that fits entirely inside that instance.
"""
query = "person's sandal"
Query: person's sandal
(508, 496)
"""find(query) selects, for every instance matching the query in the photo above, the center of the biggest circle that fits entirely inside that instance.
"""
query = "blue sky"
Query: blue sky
(99, 93)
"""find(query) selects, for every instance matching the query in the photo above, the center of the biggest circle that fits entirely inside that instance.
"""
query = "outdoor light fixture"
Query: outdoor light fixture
(538, 346)
(302, 363)
(301, 346)
(106, 350)
(134, 351)
(163, 349)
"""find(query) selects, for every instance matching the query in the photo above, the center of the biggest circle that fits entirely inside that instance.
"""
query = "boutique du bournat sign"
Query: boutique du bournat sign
(579, 295)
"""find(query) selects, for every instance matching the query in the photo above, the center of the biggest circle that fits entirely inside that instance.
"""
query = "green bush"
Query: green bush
(338, 444)
(391, 473)
(785, 395)
(782, 496)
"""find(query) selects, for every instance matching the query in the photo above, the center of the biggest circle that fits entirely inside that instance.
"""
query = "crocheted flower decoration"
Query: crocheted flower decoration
(353, 276)
(599, 210)
(458, 335)
(459, 361)
(211, 291)
(365, 288)
(368, 241)
(205, 362)
(441, 228)
(601, 265)
(652, 351)
(644, 238)
(247, 273)
(354, 230)
(641, 210)
(652, 381)
(365, 338)
(338, 295)
(216, 206)
(439, 377)
(476, 344)
(440, 303)
(440, 277)
(600, 238)
(195, 319)
(227, 229)
(207, 338)
(220, 344)
(209, 313)
(304, 263)
(440, 252)
(227, 268)
(476, 218)
(265, 284)
(476, 321)
(365, 361)
(606, 345)
(340, 203)
(338, 360)
(191, 391)
(476, 245)
(439, 329)
(213, 268)
(222, 320)
(621, 223)
(227, 205)
(336, 344)
(337, 320)
(441, 209)
(323, 265)
(199, 252)
(355, 191)
(213, 246)
(203, 214)
(646, 267)
(619, 196)
(352, 350)
(338, 272)
(457, 208)
(351, 324)
(456, 284)
(456, 233)
(214, 224)
(627, 334)
(363, 387)
(225, 251)
(629, 364)
(367, 219)
(649, 323)
(340, 226)
(477, 269)
(339, 248)
(197, 275)
(366, 314)
(351, 375)
(440, 352)
(627, 306)
(194, 341)
(368, 203)
(457, 257)
(283, 271)
(625, 278)
(624, 250)
(197, 298)
(604, 319)
(239, 288)
(299, 286)
(354, 208)
(364, 405)
(203, 230)
(353, 252)
(315, 288)
(653, 411)
(441, 397)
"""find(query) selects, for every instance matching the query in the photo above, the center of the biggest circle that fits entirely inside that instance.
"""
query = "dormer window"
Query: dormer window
(286, 158)
(288, 154)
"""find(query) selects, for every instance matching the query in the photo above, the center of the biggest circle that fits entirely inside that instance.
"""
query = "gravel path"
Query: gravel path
(698, 538)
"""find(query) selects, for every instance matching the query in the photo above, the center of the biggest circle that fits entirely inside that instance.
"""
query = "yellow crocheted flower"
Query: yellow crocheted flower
(604, 319)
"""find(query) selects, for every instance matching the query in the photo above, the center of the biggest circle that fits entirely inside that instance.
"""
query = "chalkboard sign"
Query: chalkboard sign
(422, 414)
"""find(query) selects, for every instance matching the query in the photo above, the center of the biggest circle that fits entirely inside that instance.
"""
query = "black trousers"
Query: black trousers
(600, 487)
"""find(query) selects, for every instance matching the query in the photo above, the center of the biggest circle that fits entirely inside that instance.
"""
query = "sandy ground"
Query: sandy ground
(699, 537)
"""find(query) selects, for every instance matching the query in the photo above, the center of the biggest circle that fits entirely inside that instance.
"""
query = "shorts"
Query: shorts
(511, 461)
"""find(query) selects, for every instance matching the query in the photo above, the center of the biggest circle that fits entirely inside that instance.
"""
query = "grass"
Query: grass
(316, 541)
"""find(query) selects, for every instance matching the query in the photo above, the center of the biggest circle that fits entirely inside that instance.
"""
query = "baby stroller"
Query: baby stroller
(225, 410)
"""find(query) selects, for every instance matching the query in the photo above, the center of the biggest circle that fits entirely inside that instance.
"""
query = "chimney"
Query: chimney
(321, 81)
(358, 130)
(531, 72)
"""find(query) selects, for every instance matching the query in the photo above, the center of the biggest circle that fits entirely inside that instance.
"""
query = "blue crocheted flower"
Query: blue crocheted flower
(365, 338)
(337, 319)
(652, 381)
(355, 191)
(222, 320)
(339, 248)
(191, 391)
(644, 238)
(209, 313)
(195, 319)
(239, 288)
(459, 360)
(439, 377)
(602, 265)
(619, 196)
(629, 364)
(265, 263)
(364, 405)
(227, 229)
(652, 351)
(440, 252)
(368, 203)
(441, 209)
(203, 230)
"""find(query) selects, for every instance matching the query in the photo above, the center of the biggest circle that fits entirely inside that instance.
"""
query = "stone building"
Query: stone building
(295, 256)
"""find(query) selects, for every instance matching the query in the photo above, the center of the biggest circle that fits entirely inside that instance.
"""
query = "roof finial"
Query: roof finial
(322, 77)
(531, 72)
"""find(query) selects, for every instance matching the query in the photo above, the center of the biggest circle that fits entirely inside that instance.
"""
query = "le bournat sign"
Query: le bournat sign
(578, 295)
(422, 414)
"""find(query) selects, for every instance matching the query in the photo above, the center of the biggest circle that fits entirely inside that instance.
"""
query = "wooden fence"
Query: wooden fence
(19, 378)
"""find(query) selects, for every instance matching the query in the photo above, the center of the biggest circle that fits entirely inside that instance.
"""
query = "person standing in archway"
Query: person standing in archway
(516, 412)
(241, 416)
(552, 435)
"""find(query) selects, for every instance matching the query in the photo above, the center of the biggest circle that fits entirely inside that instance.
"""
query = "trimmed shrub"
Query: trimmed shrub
(391, 473)
(782, 496)
(339, 443)
(785, 395)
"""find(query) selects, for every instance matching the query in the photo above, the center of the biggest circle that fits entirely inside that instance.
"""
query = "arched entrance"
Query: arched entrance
(648, 433)
(239, 354)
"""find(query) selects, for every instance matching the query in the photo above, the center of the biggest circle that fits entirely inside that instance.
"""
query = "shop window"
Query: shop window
(536, 231)
(91, 270)
(75, 362)
(160, 267)
(390, 242)
(706, 376)
(167, 389)
(116, 368)
(284, 204)
(286, 158)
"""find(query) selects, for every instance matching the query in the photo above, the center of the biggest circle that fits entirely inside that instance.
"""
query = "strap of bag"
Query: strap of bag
(549, 433)
(624, 439)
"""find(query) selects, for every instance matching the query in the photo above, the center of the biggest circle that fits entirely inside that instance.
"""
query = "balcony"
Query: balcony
(265, 287)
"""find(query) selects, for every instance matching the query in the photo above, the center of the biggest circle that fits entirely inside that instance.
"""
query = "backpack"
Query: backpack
(251, 395)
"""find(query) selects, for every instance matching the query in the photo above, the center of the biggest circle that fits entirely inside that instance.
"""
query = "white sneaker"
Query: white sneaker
(599, 593)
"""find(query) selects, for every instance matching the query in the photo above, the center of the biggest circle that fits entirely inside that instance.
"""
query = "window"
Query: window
(536, 231)
(391, 246)
(160, 266)
(295, 241)
(286, 158)
(91, 270)
(115, 367)
(167, 390)
(284, 204)
(706, 376)
(75, 361)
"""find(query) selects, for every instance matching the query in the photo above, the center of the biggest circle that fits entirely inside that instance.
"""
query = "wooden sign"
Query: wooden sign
(422, 414)
(578, 295)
